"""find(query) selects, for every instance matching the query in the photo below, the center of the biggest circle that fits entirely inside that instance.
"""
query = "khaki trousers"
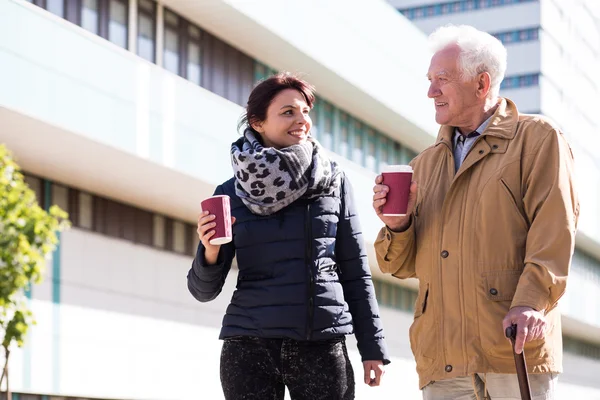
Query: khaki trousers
(498, 386)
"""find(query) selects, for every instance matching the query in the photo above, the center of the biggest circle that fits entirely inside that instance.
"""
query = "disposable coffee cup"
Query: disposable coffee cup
(219, 207)
(398, 179)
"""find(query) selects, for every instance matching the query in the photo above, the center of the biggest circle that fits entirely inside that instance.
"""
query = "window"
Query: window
(385, 154)
(371, 160)
(60, 196)
(262, 71)
(35, 184)
(519, 81)
(357, 148)
(316, 115)
(327, 133)
(85, 211)
(182, 52)
(117, 22)
(56, 7)
(105, 18)
(194, 70)
(454, 7)
(344, 139)
(146, 29)
(90, 18)
(171, 51)
(179, 237)
(395, 296)
(159, 231)
(116, 219)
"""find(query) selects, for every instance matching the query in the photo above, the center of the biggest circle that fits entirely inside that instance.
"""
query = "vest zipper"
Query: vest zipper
(311, 279)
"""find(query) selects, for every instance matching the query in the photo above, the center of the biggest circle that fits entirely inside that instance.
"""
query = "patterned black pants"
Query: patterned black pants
(255, 369)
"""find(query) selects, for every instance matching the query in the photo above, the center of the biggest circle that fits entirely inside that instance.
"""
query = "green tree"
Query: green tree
(28, 234)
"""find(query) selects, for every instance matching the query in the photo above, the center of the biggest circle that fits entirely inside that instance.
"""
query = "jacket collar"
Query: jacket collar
(503, 124)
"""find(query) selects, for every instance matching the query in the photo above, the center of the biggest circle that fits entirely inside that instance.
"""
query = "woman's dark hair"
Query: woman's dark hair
(263, 94)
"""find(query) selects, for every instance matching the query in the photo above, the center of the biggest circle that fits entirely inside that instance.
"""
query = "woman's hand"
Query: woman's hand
(378, 370)
(205, 231)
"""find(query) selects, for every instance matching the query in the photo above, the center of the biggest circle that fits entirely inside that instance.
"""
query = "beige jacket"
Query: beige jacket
(498, 234)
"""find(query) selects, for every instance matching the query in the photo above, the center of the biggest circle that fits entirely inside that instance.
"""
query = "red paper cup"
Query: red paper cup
(398, 179)
(219, 207)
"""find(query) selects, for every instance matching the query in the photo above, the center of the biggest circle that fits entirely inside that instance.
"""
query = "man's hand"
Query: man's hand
(531, 325)
(380, 191)
(378, 370)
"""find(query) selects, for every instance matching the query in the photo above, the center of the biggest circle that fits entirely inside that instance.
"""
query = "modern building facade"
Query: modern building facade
(123, 111)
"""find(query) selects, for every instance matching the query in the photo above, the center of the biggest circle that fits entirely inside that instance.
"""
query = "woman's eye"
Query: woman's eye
(288, 112)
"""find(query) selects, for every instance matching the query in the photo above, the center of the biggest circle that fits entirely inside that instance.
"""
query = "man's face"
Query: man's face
(455, 99)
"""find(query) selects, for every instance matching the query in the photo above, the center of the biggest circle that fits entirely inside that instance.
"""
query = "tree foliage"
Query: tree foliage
(28, 233)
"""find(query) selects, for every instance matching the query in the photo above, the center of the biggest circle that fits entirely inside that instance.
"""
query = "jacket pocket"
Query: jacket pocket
(499, 288)
(421, 302)
(514, 204)
(423, 332)
(501, 285)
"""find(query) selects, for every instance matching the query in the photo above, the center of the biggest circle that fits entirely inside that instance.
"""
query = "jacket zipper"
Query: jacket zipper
(311, 280)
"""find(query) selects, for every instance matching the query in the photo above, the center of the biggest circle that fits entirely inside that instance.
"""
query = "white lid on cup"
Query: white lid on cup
(397, 168)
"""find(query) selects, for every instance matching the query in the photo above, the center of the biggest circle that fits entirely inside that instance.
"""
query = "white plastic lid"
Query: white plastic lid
(397, 168)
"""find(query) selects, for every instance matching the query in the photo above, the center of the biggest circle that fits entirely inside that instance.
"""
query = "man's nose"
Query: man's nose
(433, 91)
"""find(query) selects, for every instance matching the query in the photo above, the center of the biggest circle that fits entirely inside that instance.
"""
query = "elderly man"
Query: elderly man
(489, 233)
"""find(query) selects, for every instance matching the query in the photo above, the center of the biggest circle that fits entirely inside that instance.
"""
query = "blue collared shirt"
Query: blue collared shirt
(459, 156)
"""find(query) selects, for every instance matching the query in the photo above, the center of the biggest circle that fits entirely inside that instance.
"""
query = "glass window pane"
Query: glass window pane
(171, 56)
(60, 196)
(117, 25)
(179, 236)
(385, 155)
(357, 150)
(85, 210)
(35, 184)
(370, 162)
(145, 44)
(56, 7)
(193, 66)
(89, 15)
(159, 231)
(146, 5)
(195, 241)
(343, 145)
(193, 32)
(326, 134)
(171, 19)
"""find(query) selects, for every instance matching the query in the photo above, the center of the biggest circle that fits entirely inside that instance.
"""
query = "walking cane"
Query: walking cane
(522, 376)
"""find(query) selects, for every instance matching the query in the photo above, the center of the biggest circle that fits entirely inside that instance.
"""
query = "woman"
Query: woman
(304, 281)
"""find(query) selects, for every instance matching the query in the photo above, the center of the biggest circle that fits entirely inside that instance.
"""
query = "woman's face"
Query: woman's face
(287, 121)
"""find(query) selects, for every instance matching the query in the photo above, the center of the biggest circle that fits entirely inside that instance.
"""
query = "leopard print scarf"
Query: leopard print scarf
(268, 179)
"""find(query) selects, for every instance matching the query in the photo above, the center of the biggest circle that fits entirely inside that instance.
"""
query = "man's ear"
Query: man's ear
(484, 84)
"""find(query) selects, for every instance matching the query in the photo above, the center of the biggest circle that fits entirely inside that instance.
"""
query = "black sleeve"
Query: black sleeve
(355, 276)
(205, 282)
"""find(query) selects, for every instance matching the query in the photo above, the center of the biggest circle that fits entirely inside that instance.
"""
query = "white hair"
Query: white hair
(479, 52)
